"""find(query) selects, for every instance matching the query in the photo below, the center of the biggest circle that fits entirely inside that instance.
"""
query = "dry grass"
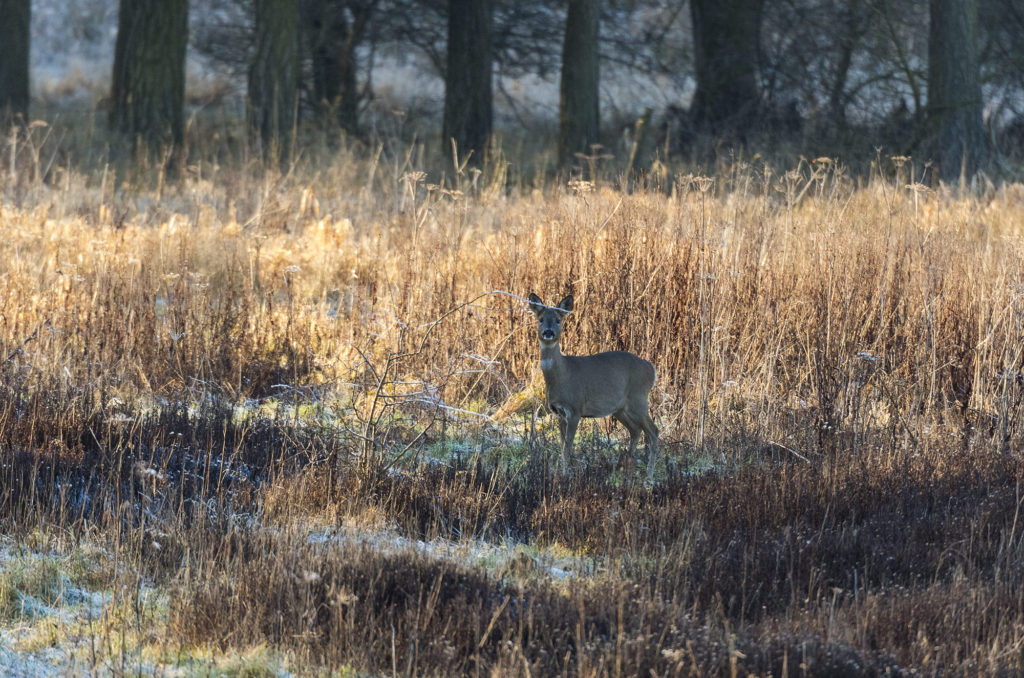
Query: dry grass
(205, 370)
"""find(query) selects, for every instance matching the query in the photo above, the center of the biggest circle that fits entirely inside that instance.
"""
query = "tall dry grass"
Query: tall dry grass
(761, 300)
(208, 364)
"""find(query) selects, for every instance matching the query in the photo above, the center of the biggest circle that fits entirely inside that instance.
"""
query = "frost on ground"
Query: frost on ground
(43, 610)
(510, 559)
(65, 611)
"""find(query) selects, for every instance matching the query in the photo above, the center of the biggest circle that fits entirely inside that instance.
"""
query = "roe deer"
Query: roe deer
(613, 383)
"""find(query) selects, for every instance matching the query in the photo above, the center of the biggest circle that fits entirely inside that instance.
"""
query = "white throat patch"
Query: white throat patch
(547, 363)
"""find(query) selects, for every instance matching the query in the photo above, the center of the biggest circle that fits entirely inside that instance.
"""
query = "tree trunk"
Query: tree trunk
(468, 97)
(14, 41)
(333, 39)
(954, 89)
(578, 111)
(274, 75)
(148, 91)
(847, 43)
(726, 38)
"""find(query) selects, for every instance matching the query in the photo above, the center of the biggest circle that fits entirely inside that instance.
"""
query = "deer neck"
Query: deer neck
(551, 358)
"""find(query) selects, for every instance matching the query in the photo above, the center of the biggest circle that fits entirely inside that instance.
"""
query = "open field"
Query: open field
(255, 422)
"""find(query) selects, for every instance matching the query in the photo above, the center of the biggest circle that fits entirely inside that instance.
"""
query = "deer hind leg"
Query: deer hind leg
(634, 429)
(651, 436)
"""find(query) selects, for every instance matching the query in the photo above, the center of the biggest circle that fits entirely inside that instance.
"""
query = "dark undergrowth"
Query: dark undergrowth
(844, 565)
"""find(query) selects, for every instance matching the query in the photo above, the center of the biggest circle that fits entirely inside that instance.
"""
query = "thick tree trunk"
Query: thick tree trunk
(274, 75)
(954, 89)
(14, 42)
(333, 39)
(468, 96)
(148, 92)
(578, 113)
(726, 38)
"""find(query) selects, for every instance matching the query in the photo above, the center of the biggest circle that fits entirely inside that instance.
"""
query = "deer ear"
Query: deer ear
(566, 304)
(536, 305)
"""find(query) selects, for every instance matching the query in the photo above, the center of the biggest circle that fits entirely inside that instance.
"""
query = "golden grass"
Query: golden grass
(754, 296)
(197, 372)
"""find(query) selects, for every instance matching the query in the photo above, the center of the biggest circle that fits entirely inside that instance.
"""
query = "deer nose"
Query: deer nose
(548, 334)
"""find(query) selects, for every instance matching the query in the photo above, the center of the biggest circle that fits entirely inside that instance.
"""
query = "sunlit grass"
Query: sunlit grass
(294, 422)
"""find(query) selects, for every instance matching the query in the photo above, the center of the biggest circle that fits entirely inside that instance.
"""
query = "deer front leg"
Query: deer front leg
(572, 420)
(561, 427)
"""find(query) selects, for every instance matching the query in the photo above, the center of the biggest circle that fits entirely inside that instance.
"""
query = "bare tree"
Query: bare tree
(148, 90)
(274, 73)
(954, 89)
(726, 42)
(334, 30)
(578, 111)
(14, 42)
(468, 96)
